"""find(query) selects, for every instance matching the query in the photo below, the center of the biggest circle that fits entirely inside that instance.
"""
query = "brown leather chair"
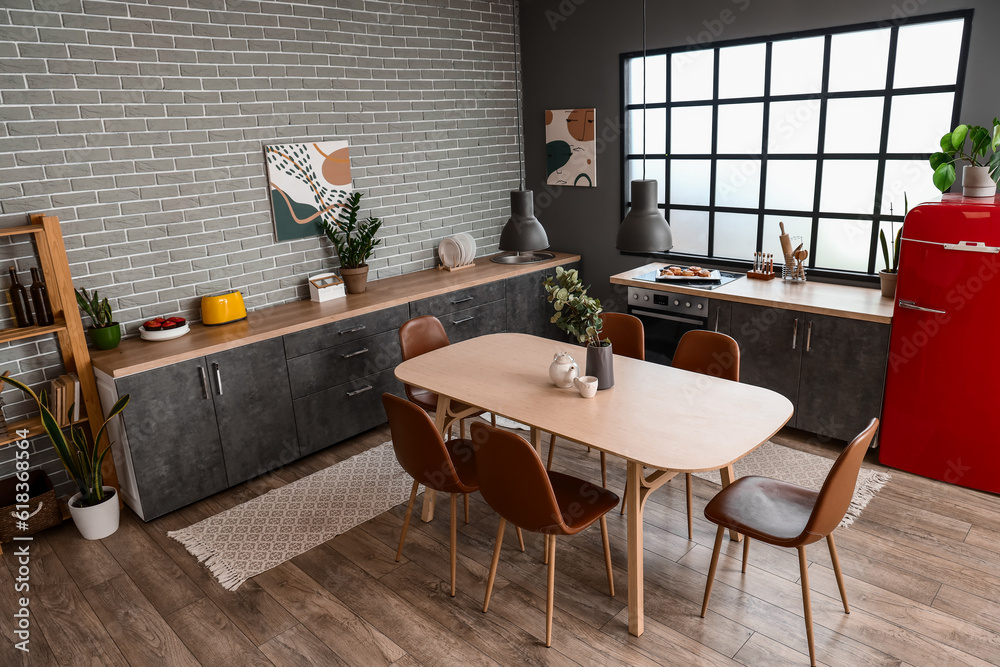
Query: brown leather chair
(709, 353)
(787, 515)
(514, 483)
(628, 339)
(445, 466)
(420, 336)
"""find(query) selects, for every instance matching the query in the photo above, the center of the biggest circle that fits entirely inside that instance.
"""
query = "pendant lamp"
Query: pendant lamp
(523, 236)
(644, 228)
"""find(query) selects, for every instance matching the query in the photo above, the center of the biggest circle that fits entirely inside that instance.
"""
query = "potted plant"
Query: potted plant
(95, 507)
(579, 315)
(980, 176)
(887, 276)
(354, 240)
(105, 333)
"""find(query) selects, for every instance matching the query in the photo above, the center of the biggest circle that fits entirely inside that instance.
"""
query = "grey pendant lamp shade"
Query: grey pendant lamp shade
(523, 235)
(644, 228)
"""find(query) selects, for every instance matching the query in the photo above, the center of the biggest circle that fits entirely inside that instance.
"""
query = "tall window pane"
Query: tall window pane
(854, 125)
(691, 130)
(691, 75)
(741, 127)
(741, 71)
(791, 185)
(690, 182)
(735, 235)
(843, 244)
(690, 231)
(917, 122)
(737, 183)
(797, 66)
(859, 60)
(848, 186)
(793, 127)
(927, 54)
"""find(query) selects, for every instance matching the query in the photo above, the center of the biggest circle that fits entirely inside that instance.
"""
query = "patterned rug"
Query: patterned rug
(808, 470)
(264, 532)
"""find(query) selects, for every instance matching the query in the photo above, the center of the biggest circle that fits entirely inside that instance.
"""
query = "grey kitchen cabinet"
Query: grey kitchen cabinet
(462, 299)
(344, 331)
(488, 318)
(528, 309)
(770, 347)
(173, 440)
(843, 374)
(253, 407)
(322, 369)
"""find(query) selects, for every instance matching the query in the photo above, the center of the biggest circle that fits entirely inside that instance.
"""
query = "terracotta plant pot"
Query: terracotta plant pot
(106, 338)
(888, 281)
(600, 363)
(355, 280)
(97, 521)
(976, 182)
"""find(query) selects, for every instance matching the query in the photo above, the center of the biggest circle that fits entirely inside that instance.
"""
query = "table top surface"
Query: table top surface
(659, 416)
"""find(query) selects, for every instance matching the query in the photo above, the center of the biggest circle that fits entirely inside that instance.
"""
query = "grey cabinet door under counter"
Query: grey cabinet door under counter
(770, 342)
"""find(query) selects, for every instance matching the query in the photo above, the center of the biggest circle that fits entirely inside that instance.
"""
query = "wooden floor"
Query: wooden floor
(921, 565)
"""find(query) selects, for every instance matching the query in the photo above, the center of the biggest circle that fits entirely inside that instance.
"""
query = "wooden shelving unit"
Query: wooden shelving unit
(68, 329)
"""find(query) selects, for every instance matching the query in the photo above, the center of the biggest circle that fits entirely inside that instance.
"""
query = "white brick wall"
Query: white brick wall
(141, 125)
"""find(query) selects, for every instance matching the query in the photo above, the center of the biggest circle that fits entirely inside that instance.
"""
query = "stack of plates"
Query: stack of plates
(457, 250)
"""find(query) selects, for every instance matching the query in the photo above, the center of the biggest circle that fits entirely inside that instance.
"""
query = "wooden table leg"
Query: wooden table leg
(635, 555)
(536, 440)
(728, 477)
(440, 417)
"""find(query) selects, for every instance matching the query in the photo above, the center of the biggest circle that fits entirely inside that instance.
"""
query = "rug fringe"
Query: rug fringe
(864, 494)
(220, 569)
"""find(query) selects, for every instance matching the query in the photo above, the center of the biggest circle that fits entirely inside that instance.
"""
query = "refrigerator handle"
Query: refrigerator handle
(910, 305)
(795, 332)
(971, 246)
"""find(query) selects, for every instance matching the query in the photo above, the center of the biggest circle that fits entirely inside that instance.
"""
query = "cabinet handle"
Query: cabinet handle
(218, 377)
(360, 391)
(204, 382)
(718, 311)
(795, 332)
(360, 327)
(354, 354)
(470, 317)
(468, 298)
(809, 335)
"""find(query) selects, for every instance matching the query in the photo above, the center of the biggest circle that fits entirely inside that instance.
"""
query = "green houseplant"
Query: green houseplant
(981, 174)
(95, 507)
(888, 275)
(105, 333)
(354, 240)
(579, 315)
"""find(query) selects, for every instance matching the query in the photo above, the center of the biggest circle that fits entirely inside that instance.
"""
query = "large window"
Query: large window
(824, 131)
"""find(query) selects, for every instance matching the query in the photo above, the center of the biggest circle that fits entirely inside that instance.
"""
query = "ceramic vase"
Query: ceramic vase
(976, 182)
(888, 282)
(600, 363)
(355, 280)
(97, 521)
(106, 338)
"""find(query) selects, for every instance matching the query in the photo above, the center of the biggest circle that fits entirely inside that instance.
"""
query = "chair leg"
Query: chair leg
(461, 428)
(493, 419)
(550, 599)
(406, 519)
(545, 558)
(454, 540)
(746, 552)
(466, 496)
(604, 470)
(624, 496)
(552, 450)
(836, 569)
(690, 506)
(607, 553)
(493, 564)
(520, 538)
(711, 569)
(806, 606)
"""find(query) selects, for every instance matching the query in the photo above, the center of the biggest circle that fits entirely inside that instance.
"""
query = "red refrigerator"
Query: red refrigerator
(941, 415)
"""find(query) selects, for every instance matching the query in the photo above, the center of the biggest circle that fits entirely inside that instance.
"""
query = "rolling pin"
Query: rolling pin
(786, 243)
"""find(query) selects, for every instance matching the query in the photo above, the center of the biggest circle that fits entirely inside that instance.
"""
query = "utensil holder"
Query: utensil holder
(789, 272)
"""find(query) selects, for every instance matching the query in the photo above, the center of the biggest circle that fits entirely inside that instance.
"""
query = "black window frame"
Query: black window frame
(887, 93)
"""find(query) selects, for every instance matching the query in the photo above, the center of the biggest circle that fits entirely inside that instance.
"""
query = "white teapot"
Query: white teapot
(563, 370)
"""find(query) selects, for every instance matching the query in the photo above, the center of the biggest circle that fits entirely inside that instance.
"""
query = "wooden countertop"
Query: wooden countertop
(136, 355)
(856, 303)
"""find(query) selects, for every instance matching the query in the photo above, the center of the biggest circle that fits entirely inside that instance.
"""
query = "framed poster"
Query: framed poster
(571, 147)
(307, 180)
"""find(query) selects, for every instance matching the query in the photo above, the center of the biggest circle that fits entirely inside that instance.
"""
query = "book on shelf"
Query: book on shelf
(65, 394)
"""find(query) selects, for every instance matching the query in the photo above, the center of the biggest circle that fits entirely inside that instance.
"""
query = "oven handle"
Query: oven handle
(671, 318)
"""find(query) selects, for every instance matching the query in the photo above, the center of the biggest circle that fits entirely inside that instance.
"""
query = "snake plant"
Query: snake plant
(98, 309)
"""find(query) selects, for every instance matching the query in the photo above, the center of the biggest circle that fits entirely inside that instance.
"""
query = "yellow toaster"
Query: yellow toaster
(222, 308)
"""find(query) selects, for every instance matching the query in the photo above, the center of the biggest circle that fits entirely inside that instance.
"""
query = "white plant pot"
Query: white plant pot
(976, 182)
(98, 521)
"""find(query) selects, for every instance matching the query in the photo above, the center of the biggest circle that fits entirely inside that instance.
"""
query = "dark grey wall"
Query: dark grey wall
(570, 55)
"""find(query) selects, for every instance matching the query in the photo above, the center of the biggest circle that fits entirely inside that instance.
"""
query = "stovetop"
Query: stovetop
(725, 278)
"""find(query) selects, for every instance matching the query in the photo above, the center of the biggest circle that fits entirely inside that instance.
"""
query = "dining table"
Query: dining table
(662, 421)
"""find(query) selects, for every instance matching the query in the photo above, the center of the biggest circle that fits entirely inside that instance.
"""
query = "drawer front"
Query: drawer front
(344, 331)
(458, 300)
(465, 324)
(338, 413)
(333, 366)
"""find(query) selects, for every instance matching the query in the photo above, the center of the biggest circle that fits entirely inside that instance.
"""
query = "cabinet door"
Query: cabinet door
(173, 438)
(488, 318)
(253, 404)
(336, 365)
(528, 310)
(770, 348)
(720, 316)
(843, 373)
(458, 300)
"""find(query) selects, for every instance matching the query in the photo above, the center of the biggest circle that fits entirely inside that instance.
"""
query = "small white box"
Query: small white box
(325, 286)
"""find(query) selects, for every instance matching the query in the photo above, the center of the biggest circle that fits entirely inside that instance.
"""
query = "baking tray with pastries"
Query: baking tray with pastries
(686, 273)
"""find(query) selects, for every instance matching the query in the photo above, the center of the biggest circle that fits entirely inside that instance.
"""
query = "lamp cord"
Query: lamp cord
(517, 92)
(644, 64)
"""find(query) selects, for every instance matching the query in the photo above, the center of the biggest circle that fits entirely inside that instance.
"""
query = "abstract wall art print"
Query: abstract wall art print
(570, 147)
(307, 181)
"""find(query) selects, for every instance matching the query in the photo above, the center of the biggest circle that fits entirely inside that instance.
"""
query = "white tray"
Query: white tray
(169, 334)
(715, 275)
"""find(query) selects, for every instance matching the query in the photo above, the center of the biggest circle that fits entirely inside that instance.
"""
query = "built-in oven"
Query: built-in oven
(665, 318)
